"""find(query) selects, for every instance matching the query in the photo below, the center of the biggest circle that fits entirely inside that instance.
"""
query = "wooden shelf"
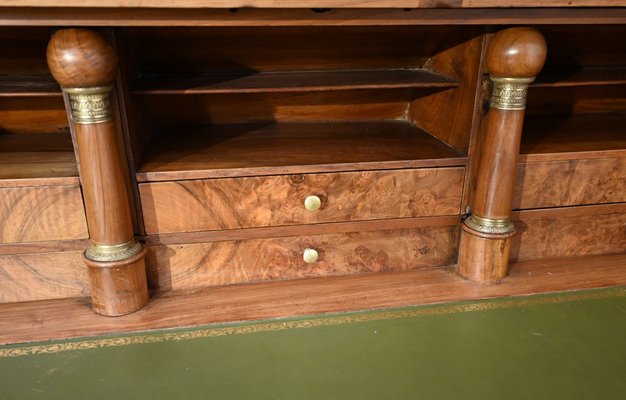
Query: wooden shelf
(303, 81)
(28, 86)
(573, 137)
(37, 159)
(291, 148)
(581, 77)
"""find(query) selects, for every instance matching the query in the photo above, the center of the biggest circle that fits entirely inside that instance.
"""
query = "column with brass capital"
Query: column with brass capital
(514, 58)
(85, 65)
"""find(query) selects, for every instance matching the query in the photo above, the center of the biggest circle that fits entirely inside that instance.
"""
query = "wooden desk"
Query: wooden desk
(250, 145)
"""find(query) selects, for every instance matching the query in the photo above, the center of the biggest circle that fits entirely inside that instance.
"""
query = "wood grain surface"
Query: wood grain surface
(29, 214)
(37, 159)
(277, 149)
(573, 136)
(449, 114)
(279, 200)
(32, 114)
(290, 81)
(570, 183)
(569, 232)
(483, 258)
(40, 276)
(132, 17)
(318, 3)
(284, 49)
(68, 318)
(190, 266)
(268, 108)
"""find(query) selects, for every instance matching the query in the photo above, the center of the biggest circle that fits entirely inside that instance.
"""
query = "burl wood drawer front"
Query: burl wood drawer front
(194, 265)
(41, 276)
(31, 214)
(196, 205)
(570, 183)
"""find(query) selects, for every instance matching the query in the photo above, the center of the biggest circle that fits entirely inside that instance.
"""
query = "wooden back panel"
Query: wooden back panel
(256, 49)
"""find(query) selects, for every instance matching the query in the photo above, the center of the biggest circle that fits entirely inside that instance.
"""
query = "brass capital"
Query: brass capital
(509, 93)
(90, 105)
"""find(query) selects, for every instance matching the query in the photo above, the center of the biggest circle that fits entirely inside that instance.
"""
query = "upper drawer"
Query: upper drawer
(570, 182)
(195, 205)
(32, 214)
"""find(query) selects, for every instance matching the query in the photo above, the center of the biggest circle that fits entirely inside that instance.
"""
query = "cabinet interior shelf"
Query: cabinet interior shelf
(290, 148)
(581, 77)
(37, 159)
(28, 85)
(573, 136)
(301, 81)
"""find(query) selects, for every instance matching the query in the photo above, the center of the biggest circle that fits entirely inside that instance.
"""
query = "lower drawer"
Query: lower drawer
(230, 203)
(193, 265)
(31, 214)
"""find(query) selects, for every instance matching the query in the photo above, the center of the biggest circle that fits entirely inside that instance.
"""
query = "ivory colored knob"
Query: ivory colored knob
(310, 255)
(312, 203)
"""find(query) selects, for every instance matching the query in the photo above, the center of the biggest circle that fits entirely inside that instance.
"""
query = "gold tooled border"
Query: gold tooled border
(309, 323)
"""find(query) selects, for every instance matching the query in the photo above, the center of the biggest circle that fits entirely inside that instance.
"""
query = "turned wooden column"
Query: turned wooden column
(85, 65)
(514, 58)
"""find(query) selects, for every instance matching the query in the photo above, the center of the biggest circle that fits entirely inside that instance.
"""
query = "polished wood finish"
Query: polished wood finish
(241, 100)
(569, 232)
(319, 3)
(45, 275)
(118, 287)
(570, 183)
(573, 137)
(483, 258)
(81, 17)
(279, 200)
(290, 82)
(106, 201)
(269, 49)
(81, 58)
(192, 266)
(70, 318)
(28, 115)
(269, 108)
(450, 114)
(250, 149)
(516, 53)
(30, 214)
(37, 159)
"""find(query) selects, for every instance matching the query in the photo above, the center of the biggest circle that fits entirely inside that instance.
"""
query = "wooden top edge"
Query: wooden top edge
(164, 176)
(47, 181)
(308, 4)
(290, 16)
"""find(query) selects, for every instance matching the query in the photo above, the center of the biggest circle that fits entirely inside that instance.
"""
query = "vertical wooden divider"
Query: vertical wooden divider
(514, 58)
(85, 65)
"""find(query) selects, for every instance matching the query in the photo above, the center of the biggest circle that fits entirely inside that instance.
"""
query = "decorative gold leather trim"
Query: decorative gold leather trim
(489, 225)
(509, 93)
(89, 344)
(90, 105)
(116, 252)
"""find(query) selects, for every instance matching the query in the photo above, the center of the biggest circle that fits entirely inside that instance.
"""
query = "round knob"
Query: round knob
(312, 203)
(81, 58)
(310, 256)
(516, 53)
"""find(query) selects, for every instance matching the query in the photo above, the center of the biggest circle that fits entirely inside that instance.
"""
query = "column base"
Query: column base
(483, 257)
(118, 287)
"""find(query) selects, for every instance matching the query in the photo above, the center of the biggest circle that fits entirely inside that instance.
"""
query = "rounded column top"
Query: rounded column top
(81, 58)
(516, 53)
